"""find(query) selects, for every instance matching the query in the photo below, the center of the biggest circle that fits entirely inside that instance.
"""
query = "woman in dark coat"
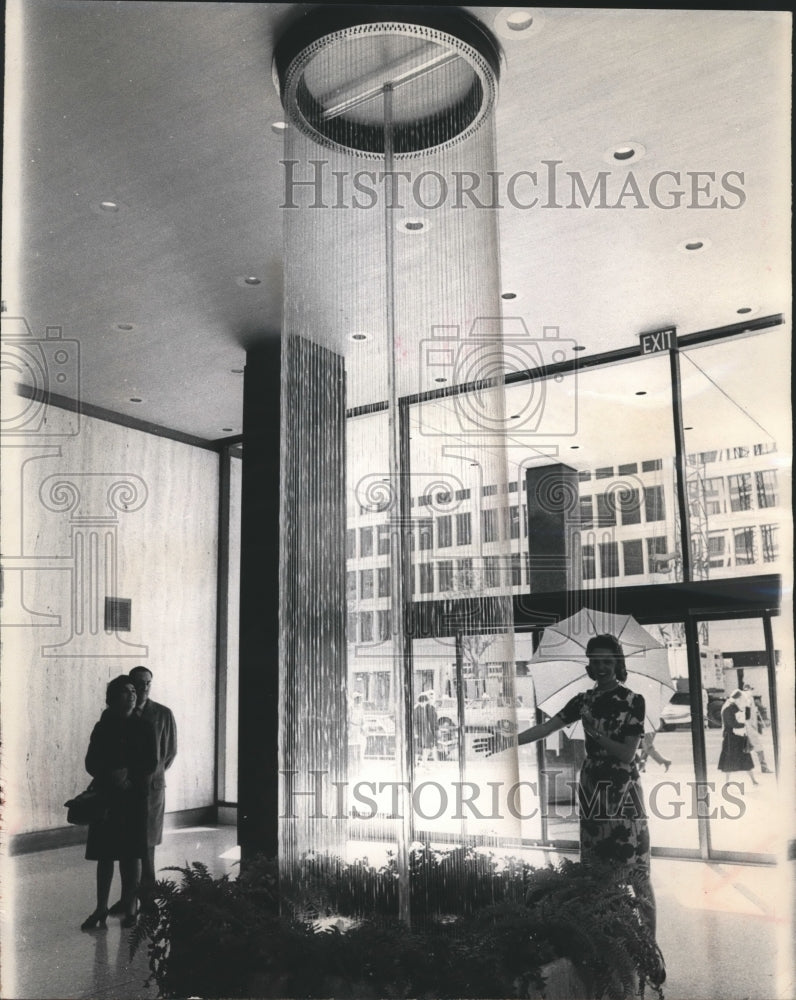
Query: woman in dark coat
(735, 755)
(121, 755)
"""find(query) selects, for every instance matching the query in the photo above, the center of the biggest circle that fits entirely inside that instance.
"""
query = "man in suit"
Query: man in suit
(162, 721)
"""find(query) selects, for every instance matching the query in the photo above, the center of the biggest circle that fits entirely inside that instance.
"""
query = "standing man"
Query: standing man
(162, 721)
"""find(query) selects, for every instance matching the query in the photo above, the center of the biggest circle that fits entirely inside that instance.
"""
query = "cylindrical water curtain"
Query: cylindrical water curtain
(391, 302)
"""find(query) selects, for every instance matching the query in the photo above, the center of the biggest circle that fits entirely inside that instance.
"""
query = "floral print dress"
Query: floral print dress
(613, 823)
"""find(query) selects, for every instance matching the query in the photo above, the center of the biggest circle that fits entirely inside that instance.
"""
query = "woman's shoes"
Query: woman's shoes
(94, 920)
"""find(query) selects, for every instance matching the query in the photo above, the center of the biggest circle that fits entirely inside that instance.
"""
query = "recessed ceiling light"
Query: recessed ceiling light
(518, 22)
(412, 225)
(694, 245)
(125, 327)
(574, 447)
(688, 428)
(579, 347)
(515, 416)
(440, 379)
(625, 152)
(227, 430)
(641, 392)
(508, 295)
(136, 399)
(248, 280)
(279, 128)
(106, 206)
(236, 371)
(744, 310)
(359, 336)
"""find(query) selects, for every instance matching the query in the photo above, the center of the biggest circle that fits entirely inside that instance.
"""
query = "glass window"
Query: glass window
(351, 626)
(513, 486)
(744, 542)
(350, 543)
(366, 584)
(652, 465)
(748, 399)
(633, 554)
(604, 473)
(466, 576)
(766, 482)
(584, 475)
(383, 625)
(384, 581)
(426, 578)
(630, 469)
(714, 495)
(383, 539)
(514, 522)
(492, 571)
(490, 525)
(609, 559)
(769, 534)
(366, 542)
(366, 626)
(606, 511)
(740, 488)
(351, 585)
(587, 562)
(445, 577)
(516, 570)
(717, 544)
(586, 512)
(444, 531)
(462, 494)
(658, 555)
(425, 532)
(490, 490)
(629, 505)
(653, 503)
(463, 528)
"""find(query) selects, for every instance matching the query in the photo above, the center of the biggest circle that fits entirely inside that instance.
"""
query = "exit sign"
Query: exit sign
(658, 340)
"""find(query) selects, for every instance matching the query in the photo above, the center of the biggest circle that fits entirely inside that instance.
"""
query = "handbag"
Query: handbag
(87, 807)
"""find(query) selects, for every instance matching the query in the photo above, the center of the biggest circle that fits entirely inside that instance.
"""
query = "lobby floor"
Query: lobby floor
(726, 930)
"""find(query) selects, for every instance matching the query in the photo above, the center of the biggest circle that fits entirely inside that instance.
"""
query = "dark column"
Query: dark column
(258, 713)
(553, 523)
(293, 511)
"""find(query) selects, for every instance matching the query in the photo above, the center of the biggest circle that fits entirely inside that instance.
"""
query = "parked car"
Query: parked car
(678, 711)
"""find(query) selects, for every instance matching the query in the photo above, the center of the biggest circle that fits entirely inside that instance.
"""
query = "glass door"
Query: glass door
(739, 706)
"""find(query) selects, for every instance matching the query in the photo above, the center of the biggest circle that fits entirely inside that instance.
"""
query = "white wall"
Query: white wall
(154, 503)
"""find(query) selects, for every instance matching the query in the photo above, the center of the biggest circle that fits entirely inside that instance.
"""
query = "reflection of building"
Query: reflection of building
(626, 528)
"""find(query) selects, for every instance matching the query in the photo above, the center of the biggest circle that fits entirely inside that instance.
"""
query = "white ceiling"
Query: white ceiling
(166, 109)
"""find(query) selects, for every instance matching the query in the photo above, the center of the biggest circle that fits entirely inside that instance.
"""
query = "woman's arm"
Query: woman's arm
(498, 742)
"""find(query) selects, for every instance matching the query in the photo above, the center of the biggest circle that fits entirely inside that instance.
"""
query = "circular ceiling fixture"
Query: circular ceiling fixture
(333, 68)
(125, 327)
(625, 152)
(412, 225)
(248, 280)
(359, 337)
(518, 23)
(696, 245)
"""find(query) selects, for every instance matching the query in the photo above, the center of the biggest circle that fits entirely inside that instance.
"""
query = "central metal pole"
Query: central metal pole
(399, 550)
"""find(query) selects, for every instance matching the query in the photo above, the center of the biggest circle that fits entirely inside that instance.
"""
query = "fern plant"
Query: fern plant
(225, 937)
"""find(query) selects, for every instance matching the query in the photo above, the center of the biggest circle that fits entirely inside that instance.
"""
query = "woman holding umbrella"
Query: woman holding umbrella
(613, 823)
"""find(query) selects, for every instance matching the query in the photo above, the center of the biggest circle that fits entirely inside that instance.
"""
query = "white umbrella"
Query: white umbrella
(558, 667)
